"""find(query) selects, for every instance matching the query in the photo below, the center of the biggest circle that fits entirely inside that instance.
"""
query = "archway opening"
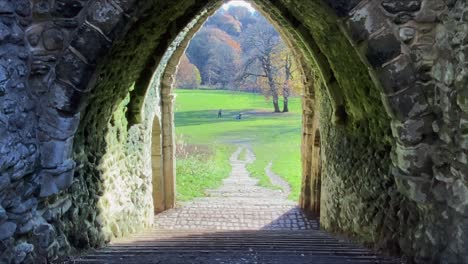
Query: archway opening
(238, 86)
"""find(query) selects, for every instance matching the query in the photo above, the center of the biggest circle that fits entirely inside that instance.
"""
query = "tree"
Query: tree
(217, 55)
(288, 76)
(225, 22)
(188, 75)
(269, 64)
(261, 41)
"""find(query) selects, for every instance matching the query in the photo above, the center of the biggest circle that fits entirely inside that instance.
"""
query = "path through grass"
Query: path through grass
(272, 136)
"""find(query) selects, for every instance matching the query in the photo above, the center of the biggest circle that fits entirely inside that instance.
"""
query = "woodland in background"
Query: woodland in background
(240, 50)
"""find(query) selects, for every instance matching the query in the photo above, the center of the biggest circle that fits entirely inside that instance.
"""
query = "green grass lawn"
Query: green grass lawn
(274, 137)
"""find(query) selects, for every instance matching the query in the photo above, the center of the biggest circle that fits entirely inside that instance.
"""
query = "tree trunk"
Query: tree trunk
(285, 104)
(286, 89)
(276, 103)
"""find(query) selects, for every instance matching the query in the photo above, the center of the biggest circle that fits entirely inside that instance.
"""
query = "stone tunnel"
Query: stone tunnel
(87, 134)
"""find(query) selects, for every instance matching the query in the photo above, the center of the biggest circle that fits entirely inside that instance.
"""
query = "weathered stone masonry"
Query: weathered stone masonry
(81, 82)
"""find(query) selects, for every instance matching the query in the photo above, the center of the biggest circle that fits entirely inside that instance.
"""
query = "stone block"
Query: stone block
(72, 69)
(55, 180)
(23, 206)
(444, 72)
(409, 103)
(342, 7)
(44, 235)
(57, 209)
(407, 34)
(3, 215)
(398, 6)
(66, 98)
(126, 5)
(21, 251)
(414, 159)
(90, 43)
(23, 7)
(415, 188)
(48, 186)
(397, 75)
(67, 8)
(365, 21)
(55, 152)
(64, 179)
(382, 48)
(7, 230)
(459, 197)
(104, 15)
(53, 39)
(413, 131)
(58, 126)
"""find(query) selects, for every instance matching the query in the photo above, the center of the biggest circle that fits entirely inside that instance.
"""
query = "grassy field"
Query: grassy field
(273, 137)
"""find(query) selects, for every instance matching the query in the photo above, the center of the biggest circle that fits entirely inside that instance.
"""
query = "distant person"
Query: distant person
(220, 113)
(239, 116)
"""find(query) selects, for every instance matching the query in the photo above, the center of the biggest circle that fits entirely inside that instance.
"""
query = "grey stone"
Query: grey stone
(414, 159)
(342, 7)
(416, 189)
(88, 36)
(3, 215)
(6, 7)
(407, 34)
(7, 230)
(52, 39)
(413, 131)
(104, 15)
(67, 8)
(398, 75)
(44, 234)
(58, 126)
(67, 99)
(24, 206)
(54, 152)
(406, 104)
(21, 251)
(74, 70)
(382, 48)
(396, 6)
(57, 209)
(459, 199)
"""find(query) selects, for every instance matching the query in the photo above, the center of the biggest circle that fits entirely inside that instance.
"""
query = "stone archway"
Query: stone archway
(84, 156)
(159, 190)
(316, 175)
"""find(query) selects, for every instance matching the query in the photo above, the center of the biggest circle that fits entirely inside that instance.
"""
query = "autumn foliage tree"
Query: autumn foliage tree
(188, 75)
(269, 64)
(217, 55)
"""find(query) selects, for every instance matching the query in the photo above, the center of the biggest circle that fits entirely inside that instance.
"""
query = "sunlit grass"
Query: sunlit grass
(273, 137)
(196, 173)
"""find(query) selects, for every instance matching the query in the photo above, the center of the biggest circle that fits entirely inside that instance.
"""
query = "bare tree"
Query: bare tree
(268, 64)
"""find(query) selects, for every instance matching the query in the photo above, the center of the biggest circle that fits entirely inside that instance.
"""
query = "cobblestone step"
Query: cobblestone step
(311, 246)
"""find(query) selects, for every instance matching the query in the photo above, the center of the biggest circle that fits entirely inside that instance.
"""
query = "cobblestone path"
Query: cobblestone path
(239, 204)
(238, 223)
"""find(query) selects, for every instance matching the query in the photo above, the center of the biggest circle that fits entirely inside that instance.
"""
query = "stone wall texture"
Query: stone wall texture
(385, 86)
